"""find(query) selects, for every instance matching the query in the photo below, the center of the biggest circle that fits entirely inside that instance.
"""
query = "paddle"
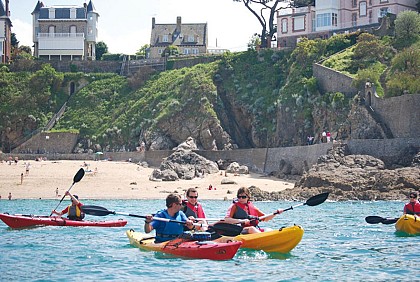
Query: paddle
(373, 219)
(312, 201)
(220, 228)
(77, 177)
(101, 211)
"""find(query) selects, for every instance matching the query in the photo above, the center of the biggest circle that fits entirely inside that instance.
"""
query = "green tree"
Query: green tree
(170, 51)
(407, 28)
(143, 50)
(15, 42)
(254, 42)
(101, 48)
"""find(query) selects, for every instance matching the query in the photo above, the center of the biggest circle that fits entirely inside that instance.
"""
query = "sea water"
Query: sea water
(338, 245)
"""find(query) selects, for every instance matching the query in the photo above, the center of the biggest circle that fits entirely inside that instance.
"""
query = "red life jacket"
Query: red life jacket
(243, 211)
(195, 211)
(412, 208)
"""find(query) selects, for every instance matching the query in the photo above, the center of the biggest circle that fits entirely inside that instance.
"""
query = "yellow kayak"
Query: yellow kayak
(282, 240)
(409, 224)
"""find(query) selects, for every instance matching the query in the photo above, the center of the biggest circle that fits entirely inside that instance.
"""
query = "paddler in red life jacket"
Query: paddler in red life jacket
(192, 208)
(242, 208)
(412, 207)
(73, 211)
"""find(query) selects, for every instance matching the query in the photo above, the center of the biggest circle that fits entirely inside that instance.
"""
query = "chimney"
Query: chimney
(7, 9)
(178, 24)
(153, 22)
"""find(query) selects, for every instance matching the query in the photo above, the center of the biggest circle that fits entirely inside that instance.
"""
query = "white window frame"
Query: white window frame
(186, 51)
(195, 51)
(72, 13)
(165, 38)
(51, 29)
(362, 9)
(323, 20)
(383, 12)
(51, 13)
(160, 51)
(191, 38)
(299, 23)
(284, 26)
(73, 29)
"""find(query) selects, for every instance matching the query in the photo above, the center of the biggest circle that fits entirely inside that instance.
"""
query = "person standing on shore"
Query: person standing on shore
(166, 231)
(10, 196)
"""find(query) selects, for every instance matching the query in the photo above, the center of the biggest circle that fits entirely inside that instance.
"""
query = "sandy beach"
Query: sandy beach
(116, 180)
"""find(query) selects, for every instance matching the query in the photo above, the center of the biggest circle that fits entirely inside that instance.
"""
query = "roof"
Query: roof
(2, 9)
(179, 37)
(63, 11)
(38, 6)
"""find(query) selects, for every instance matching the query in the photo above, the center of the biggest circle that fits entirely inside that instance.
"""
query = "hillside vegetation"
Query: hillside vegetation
(246, 100)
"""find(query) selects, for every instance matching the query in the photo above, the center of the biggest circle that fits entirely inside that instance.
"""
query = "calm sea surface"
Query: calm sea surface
(337, 245)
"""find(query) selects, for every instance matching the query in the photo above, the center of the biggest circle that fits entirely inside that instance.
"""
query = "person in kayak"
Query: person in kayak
(412, 207)
(192, 208)
(73, 211)
(166, 231)
(243, 208)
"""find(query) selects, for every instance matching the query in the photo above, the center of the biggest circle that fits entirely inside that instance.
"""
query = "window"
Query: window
(73, 29)
(284, 25)
(160, 51)
(334, 19)
(354, 2)
(165, 38)
(51, 13)
(299, 23)
(362, 9)
(72, 13)
(187, 51)
(323, 20)
(191, 38)
(383, 1)
(195, 51)
(383, 12)
(51, 29)
(90, 30)
(354, 19)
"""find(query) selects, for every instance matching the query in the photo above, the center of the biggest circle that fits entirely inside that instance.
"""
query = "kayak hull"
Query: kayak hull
(186, 249)
(409, 224)
(24, 221)
(282, 240)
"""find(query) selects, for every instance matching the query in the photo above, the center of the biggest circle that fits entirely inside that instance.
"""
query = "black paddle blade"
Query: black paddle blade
(373, 219)
(79, 175)
(317, 199)
(96, 210)
(226, 229)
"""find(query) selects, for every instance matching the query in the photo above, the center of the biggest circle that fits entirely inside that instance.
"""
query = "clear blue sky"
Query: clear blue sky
(125, 25)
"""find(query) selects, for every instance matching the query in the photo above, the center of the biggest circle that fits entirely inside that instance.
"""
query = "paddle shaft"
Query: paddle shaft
(77, 177)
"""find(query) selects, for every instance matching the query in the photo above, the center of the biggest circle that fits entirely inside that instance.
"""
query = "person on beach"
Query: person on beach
(10, 196)
(166, 231)
(243, 208)
(192, 208)
(56, 192)
(73, 211)
(412, 207)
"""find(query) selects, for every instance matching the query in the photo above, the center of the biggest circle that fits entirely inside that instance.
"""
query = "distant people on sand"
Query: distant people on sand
(56, 192)
(211, 187)
(10, 196)
(27, 166)
(412, 207)
(21, 178)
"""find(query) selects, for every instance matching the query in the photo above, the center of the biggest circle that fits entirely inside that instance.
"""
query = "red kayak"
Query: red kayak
(22, 221)
(184, 248)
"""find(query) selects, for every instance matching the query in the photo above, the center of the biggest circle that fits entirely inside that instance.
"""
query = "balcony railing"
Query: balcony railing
(60, 35)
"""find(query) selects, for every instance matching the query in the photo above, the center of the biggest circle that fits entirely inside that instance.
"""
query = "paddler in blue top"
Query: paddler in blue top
(166, 231)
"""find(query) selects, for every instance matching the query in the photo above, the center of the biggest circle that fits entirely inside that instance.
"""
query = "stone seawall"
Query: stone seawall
(294, 159)
(330, 80)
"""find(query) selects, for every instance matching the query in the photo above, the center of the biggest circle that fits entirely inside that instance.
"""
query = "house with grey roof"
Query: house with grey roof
(189, 38)
(5, 32)
(65, 32)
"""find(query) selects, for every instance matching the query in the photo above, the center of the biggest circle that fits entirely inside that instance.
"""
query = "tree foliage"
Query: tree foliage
(407, 28)
(101, 48)
(143, 50)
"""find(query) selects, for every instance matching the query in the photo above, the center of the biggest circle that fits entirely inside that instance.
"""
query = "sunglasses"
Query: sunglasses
(413, 197)
(193, 197)
(242, 197)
